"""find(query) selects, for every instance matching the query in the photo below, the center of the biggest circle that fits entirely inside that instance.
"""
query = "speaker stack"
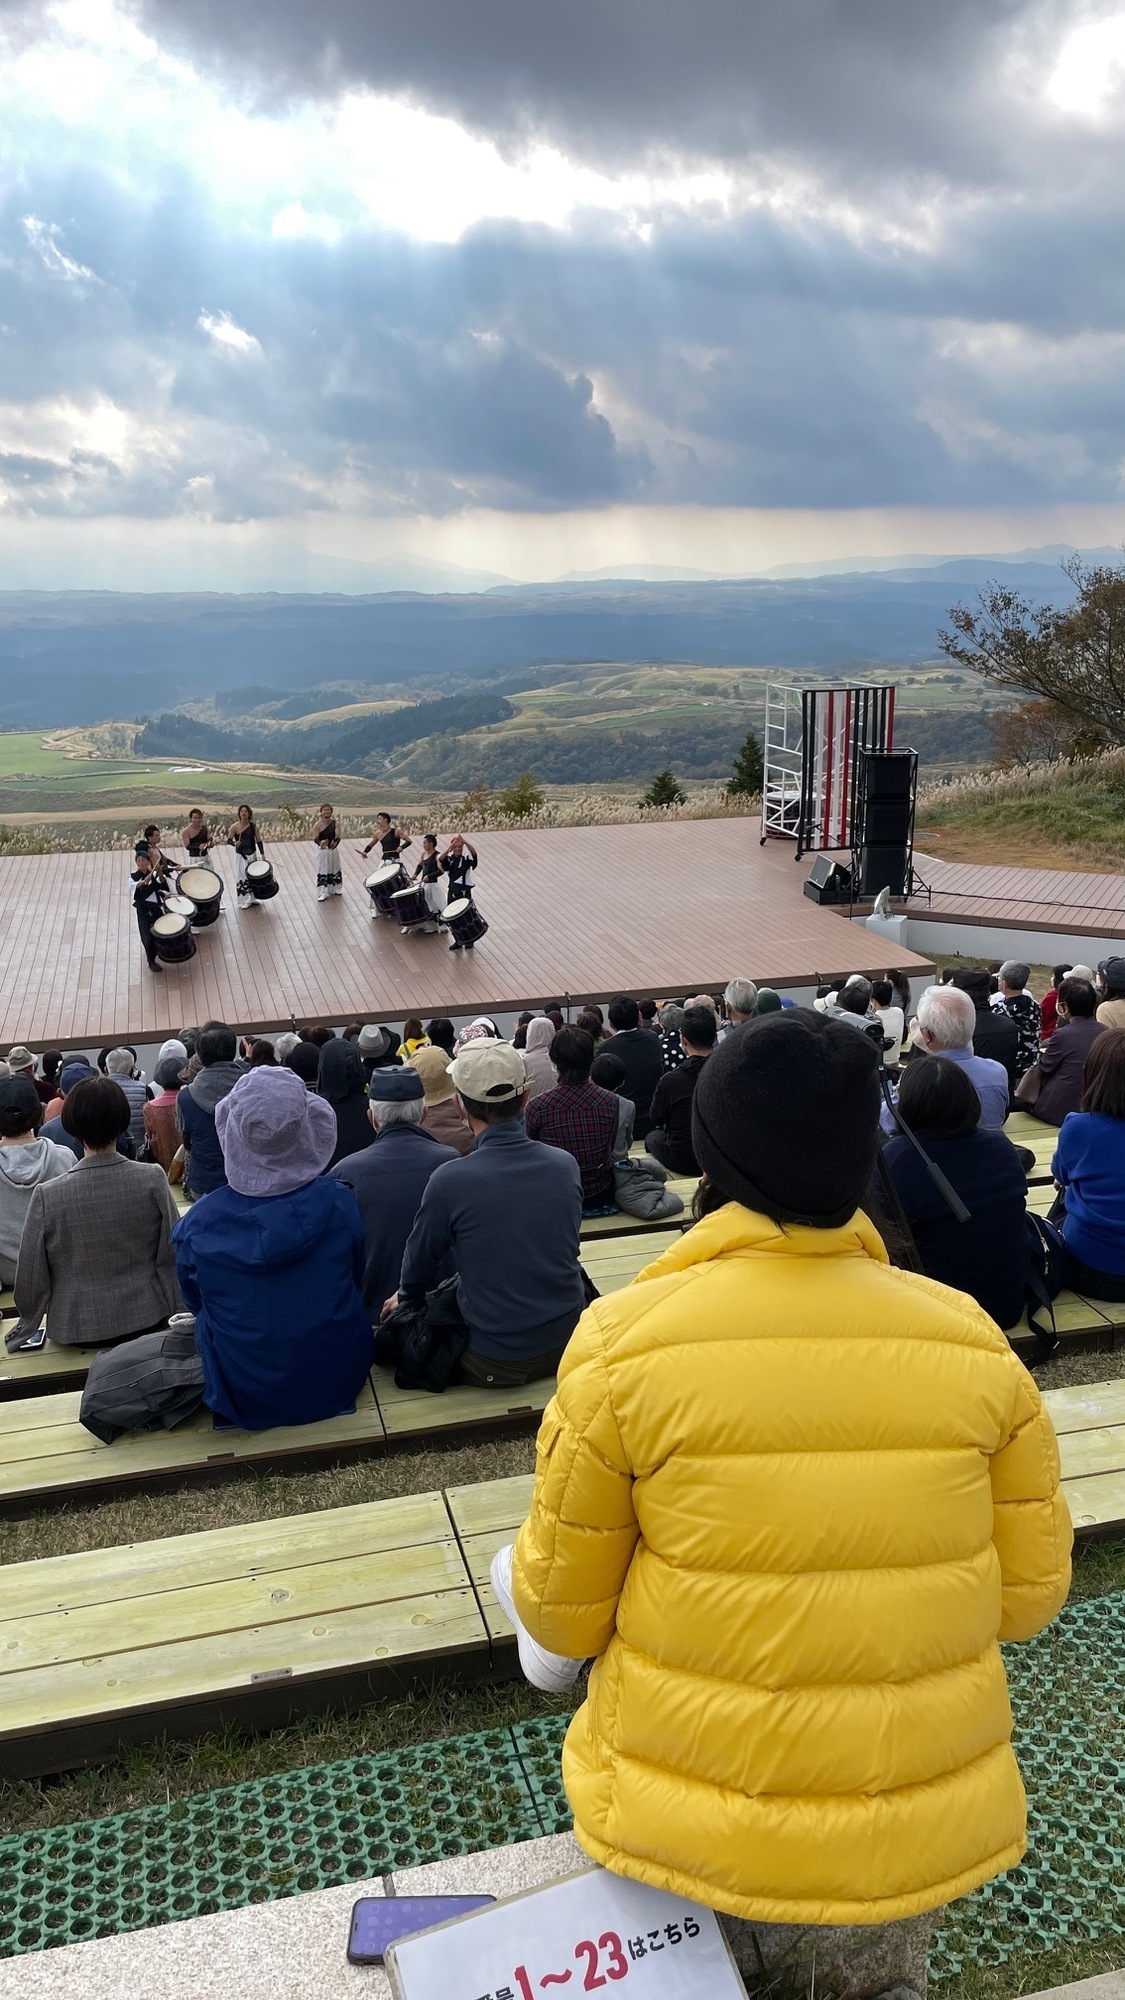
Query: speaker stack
(887, 795)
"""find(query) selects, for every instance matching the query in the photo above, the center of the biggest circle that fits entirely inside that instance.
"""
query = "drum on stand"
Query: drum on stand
(172, 939)
(410, 906)
(179, 906)
(261, 881)
(204, 889)
(464, 922)
(384, 884)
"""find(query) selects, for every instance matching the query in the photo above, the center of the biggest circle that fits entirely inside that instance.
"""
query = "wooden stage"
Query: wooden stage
(1031, 899)
(584, 911)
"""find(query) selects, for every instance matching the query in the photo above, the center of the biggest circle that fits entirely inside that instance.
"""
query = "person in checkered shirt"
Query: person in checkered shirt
(578, 1116)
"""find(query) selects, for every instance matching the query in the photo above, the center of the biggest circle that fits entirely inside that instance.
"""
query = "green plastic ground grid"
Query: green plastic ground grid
(253, 1843)
(1068, 1699)
(539, 1746)
(361, 1817)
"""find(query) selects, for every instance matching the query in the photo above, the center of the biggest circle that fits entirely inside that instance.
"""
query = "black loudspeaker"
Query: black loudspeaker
(888, 788)
(828, 881)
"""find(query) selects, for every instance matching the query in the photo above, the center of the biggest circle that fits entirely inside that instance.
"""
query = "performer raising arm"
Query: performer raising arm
(329, 878)
(243, 836)
(459, 863)
(390, 840)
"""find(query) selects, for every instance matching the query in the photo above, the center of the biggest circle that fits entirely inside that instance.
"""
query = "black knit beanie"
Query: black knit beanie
(785, 1117)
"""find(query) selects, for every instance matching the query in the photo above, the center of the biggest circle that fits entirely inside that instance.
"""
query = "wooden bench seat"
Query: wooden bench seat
(254, 1622)
(248, 1623)
(46, 1455)
(486, 1517)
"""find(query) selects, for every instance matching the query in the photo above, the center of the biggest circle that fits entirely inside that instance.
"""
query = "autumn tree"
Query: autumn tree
(1072, 656)
(1040, 732)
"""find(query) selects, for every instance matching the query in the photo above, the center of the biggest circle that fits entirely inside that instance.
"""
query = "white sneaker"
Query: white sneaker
(322, 895)
(552, 1673)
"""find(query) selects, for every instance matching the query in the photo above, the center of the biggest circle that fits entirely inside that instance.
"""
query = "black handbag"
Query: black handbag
(424, 1342)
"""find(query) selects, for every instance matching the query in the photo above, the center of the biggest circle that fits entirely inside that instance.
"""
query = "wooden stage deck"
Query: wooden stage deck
(584, 911)
(1033, 899)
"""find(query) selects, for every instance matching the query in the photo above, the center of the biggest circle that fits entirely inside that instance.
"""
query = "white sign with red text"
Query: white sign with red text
(586, 1933)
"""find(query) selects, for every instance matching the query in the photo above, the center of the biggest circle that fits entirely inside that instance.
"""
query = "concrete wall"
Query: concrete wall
(950, 940)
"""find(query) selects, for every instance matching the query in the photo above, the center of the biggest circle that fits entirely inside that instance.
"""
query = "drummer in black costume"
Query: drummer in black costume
(428, 873)
(149, 844)
(243, 836)
(148, 901)
(391, 841)
(459, 863)
(329, 878)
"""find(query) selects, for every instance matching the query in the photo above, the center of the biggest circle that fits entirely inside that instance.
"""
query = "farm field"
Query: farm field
(605, 726)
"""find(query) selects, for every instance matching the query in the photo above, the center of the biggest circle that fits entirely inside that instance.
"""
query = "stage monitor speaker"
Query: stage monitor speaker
(828, 881)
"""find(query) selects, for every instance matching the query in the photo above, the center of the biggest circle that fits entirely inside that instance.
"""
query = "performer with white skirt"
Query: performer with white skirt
(243, 836)
(428, 874)
(329, 877)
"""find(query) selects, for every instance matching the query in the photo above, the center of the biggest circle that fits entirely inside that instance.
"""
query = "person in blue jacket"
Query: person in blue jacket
(272, 1264)
(1089, 1166)
(989, 1255)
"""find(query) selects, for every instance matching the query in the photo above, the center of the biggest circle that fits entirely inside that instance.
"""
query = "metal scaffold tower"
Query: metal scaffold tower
(811, 752)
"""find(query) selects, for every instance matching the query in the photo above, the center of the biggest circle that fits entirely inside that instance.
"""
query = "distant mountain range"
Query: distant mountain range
(84, 656)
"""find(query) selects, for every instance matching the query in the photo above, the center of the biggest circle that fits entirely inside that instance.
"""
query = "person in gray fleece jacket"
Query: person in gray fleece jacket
(26, 1162)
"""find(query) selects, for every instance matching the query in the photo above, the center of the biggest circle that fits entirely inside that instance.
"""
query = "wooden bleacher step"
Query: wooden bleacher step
(45, 1454)
(121, 1644)
(117, 1645)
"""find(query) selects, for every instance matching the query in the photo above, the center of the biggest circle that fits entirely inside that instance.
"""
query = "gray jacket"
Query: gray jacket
(148, 1384)
(96, 1255)
(22, 1170)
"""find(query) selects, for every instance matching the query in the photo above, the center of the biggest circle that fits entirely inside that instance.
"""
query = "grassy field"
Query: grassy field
(72, 774)
(1065, 816)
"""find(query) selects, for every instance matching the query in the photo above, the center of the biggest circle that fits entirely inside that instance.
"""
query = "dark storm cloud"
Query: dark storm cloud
(160, 351)
(875, 83)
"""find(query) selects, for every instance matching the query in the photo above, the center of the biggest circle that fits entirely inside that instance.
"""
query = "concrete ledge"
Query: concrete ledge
(289, 1950)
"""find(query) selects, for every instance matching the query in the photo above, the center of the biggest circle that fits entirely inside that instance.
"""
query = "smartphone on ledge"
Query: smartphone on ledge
(378, 1921)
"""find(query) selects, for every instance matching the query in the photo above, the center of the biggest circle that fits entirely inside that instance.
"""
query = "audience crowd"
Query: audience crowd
(416, 1201)
(343, 1182)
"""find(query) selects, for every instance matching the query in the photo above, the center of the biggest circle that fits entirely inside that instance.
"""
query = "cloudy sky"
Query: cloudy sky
(536, 287)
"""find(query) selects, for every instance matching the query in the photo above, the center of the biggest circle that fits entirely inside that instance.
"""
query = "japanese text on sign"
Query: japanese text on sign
(588, 1933)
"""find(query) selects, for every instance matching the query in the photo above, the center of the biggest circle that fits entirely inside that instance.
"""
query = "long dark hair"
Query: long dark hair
(709, 1198)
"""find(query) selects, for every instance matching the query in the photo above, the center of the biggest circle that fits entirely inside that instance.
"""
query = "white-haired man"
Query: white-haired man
(120, 1065)
(944, 1024)
(740, 998)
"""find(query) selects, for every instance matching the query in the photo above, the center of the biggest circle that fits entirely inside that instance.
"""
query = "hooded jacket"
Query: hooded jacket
(195, 1116)
(343, 1085)
(273, 1281)
(22, 1170)
(791, 1498)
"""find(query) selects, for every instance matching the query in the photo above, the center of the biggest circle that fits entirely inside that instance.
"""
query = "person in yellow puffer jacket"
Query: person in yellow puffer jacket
(790, 1498)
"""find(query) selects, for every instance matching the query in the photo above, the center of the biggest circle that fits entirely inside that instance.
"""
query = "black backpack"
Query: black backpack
(1047, 1272)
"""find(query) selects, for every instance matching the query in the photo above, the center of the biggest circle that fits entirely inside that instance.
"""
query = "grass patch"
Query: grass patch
(163, 1771)
(147, 1517)
(1053, 816)
(1032, 1972)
